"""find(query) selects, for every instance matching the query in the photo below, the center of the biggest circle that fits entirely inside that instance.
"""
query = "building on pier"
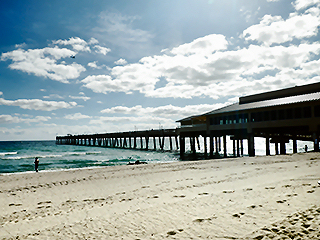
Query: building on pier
(278, 116)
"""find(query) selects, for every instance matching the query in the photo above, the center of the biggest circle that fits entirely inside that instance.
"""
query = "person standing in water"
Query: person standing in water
(36, 164)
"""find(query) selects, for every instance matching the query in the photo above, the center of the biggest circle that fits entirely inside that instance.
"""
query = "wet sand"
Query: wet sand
(275, 197)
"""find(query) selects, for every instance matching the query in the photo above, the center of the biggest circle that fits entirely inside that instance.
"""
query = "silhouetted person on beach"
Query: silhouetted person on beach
(36, 164)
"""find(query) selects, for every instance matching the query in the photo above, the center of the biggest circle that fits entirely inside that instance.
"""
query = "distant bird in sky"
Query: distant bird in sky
(72, 56)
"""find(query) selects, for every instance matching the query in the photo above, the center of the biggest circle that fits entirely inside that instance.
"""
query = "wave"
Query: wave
(92, 153)
(80, 153)
(7, 153)
(5, 156)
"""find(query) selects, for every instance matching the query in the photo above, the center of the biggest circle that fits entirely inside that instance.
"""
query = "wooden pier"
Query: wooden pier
(126, 140)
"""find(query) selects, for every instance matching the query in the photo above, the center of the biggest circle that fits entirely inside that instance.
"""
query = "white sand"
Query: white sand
(253, 198)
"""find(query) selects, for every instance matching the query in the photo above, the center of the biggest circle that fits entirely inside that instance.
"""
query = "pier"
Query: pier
(127, 140)
(280, 116)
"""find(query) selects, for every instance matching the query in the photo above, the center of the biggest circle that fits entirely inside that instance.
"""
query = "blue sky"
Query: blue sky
(107, 66)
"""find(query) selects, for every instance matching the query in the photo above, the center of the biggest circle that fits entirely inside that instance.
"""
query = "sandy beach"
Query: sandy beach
(274, 197)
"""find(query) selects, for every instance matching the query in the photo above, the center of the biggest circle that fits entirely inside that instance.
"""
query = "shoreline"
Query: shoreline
(240, 198)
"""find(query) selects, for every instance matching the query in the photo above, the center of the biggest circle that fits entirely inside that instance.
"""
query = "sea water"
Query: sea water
(18, 156)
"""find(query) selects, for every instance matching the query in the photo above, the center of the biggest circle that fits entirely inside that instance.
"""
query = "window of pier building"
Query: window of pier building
(261, 116)
(230, 119)
(317, 111)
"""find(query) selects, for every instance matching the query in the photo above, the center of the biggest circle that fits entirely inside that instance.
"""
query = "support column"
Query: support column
(294, 143)
(198, 143)
(251, 149)
(147, 143)
(162, 144)
(238, 148)
(282, 147)
(177, 145)
(211, 144)
(267, 145)
(276, 148)
(141, 142)
(225, 146)
(154, 143)
(170, 143)
(182, 147)
(193, 145)
(234, 146)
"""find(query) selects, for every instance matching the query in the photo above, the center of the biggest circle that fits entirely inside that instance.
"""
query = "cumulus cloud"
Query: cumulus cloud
(274, 29)
(83, 97)
(37, 104)
(77, 44)
(102, 50)
(43, 63)
(53, 96)
(203, 46)
(121, 61)
(209, 66)
(49, 62)
(76, 116)
(94, 65)
(303, 4)
(169, 111)
(93, 41)
(9, 119)
(222, 73)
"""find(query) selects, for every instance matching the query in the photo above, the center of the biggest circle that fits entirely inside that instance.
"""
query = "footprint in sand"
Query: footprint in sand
(228, 191)
(205, 193)
(15, 204)
(181, 196)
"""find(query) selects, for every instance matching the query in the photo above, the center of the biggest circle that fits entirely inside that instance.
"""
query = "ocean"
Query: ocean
(18, 156)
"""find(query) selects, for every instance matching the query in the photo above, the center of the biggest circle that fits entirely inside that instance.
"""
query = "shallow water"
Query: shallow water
(18, 156)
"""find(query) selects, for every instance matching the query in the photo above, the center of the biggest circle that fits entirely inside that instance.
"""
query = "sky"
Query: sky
(82, 67)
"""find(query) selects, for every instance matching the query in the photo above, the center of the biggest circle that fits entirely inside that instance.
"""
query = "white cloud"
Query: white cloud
(274, 29)
(202, 46)
(93, 41)
(94, 65)
(102, 50)
(8, 119)
(76, 116)
(303, 4)
(77, 44)
(43, 63)
(1, 93)
(53, 96)
(167, 111)
(222, 73)
(121, 61)
(84, 98)
(37, 104)
(22, 45)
